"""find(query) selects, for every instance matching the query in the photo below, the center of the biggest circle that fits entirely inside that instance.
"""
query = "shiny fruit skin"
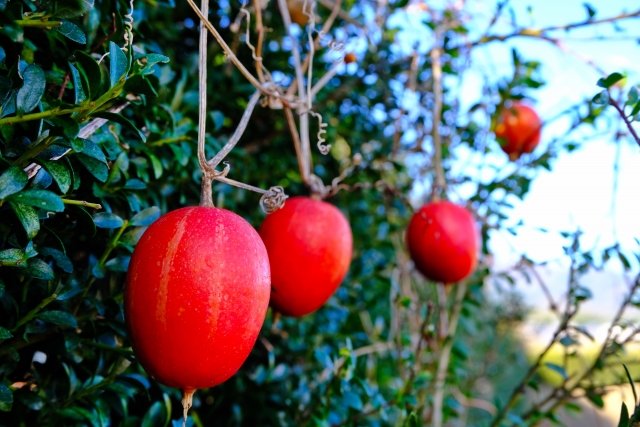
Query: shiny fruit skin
(519, 130)
(196, 296)
(443, 242)
(310, 245)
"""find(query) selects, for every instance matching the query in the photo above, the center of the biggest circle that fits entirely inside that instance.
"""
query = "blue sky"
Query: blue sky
(578, 192)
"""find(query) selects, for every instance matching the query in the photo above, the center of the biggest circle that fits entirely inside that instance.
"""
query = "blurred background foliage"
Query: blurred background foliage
(369, 356)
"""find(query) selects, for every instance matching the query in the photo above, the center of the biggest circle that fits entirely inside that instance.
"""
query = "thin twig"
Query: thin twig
(445, 356)
(626, 119)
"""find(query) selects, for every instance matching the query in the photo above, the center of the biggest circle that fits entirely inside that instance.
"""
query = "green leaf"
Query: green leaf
(602, 98)
(590, 10)
(28, 216)
(72, 32)
(30, 93)
(352, 400)
(633, 385)
(6, 398)
(153, 59)
(153, 417)
(91, 149)
(107, 220)
(64, 126)
(57, 317)
(59, 172)
(12, 180)
(119, 64)
(59, 257)
(69, 291)
(120, 263)
(96, 167)
(38, 269)
(42, 199)
(624, 416)
(135, 184)
(91, 70)
(121, 120)
(81, 96)
(4, 335)
(13, 256)
(72, 8)
(558, 369)
(140, 85)
(611, 80)
(146, 217)
(597, 400)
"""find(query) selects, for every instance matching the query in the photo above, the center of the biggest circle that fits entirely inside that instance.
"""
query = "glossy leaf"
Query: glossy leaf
(107, 220)
(28, 97)
(119, 64)
(28, 217)
(12, 180)
(59, 172)
(58, 317)
(41, 199)
(72, 32)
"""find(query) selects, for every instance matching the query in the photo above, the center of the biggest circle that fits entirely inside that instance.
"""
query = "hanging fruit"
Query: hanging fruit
(296, 11)
(309, 244)
(518, 130)
(196, 296)
(443, 242)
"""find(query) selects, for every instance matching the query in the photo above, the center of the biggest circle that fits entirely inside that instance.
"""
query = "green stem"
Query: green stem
(81, 203)
(40, 115)
(37, 23)
(33, 313)
(107, 251)
(84, 110)
(34, 150)
(127, 354)
(169, 141)
(113, 243)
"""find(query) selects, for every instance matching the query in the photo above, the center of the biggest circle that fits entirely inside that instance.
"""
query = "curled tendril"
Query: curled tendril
(324, 148)
(128, 24)
(273, 200)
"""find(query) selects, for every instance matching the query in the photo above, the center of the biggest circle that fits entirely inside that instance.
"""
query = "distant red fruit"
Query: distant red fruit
(518, 130)
(309, 244)
(443, 242)
(350, 58)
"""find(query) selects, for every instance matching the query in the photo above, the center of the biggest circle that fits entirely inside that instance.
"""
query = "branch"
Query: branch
(625, 118)
(532, 32)
(445, 356)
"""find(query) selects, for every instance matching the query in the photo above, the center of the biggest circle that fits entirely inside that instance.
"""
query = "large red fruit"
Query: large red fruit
(196, 296)
(443, 242)
(518, 130)
(309, 244)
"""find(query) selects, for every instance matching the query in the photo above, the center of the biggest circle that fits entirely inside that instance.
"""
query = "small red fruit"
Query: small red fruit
(518, 130)
(350, 57)
(196, 296)
(443, 242)
(309, 245)
(297, 11)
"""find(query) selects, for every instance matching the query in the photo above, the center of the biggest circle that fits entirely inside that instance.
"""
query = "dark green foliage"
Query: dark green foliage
(364, 358)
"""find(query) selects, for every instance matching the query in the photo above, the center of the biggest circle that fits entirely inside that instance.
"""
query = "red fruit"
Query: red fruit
(196, 296)
(518, 130)
(309, 244)
(443, 242)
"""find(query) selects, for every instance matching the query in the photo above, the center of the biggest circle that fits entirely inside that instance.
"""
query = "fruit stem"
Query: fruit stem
(440, 182)
(187, 401)
(206, 199)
